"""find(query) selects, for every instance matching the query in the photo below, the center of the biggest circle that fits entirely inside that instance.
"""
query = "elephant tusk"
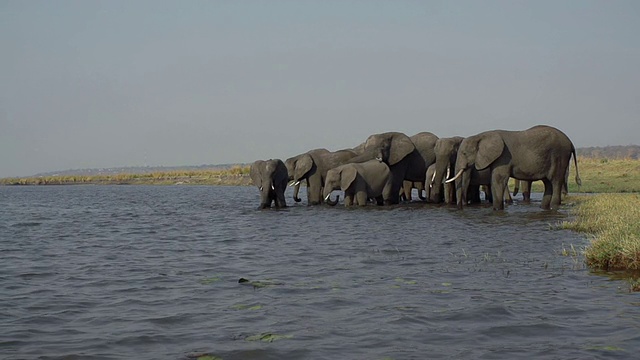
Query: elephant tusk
(260, 188)
(294, 183)
(455, 177)
(433, 177)
(327, 197)
(379, 159)
(448, 171)
(273, 187)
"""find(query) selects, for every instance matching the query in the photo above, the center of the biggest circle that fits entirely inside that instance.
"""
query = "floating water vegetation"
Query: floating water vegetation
(268, 337)
(247, 307)
(406, 282)
(259, 283)
(208, 357)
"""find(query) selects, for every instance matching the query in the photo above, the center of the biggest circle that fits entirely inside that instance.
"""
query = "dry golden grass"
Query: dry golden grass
(237, 175)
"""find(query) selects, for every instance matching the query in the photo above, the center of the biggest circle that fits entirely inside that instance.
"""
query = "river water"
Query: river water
(152, 272)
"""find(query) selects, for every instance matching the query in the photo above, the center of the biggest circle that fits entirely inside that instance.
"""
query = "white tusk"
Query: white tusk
(260, 188)
(379, 159)
(455, 177)
(433, 177)
(272, 187)
(327, 197)
(448, 171)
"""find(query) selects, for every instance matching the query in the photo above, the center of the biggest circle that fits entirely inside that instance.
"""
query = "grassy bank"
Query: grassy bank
(238, 175)
(612, 220)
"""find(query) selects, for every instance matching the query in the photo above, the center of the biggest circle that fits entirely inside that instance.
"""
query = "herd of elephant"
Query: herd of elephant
(386, 167)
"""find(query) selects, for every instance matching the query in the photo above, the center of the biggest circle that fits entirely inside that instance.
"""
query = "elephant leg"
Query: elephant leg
(526, 192)
(507, 195)
(348, 199)
(396, 184)
(421, 186)
(556, 196)
(548, 193)
(361, 197)
(498, 188)
(315, 191)
(280, 200)
(407, 186)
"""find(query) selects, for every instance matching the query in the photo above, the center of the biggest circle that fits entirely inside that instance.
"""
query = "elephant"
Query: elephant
(271, 177)
(312, 167)
(446, 150)
(406, 157)
(538, 153)
(359, 181)
(444, 192)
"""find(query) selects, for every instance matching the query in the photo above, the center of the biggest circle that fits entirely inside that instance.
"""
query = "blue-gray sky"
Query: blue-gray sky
(87, 84)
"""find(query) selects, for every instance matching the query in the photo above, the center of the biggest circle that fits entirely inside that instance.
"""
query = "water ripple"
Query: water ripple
(152, 272)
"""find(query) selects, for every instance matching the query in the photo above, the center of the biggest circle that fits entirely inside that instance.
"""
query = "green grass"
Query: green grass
(613, 221)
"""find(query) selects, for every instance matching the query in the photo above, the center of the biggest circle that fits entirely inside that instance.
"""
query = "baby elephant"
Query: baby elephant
(271, 177)
(359, 181)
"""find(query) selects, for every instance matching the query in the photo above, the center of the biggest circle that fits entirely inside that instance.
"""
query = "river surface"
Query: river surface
(152, 272)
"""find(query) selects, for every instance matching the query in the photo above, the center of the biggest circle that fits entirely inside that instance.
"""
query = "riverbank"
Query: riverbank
(236, 176)
(612, 221)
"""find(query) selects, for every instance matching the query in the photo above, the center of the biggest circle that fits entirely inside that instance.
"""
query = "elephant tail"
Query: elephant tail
(575, 161)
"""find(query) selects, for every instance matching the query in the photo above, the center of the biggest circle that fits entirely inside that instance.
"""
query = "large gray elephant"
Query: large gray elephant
(446, 151)
(539, 153)
(312, 167)
(360, 182)
(270, 176)
(439, 191)
(407, 158)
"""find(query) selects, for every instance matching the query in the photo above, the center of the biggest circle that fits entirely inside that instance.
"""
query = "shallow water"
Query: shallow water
(116, 272)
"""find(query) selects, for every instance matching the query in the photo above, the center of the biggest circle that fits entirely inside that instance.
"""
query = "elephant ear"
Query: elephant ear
(401, 146)
(254, 173)
(303, 165)
(347, 176)
(490, 147)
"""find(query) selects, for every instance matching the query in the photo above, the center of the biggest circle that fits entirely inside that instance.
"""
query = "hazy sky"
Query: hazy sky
(87, 84)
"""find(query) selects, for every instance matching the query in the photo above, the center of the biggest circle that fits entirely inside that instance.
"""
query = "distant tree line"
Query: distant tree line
(631, 152)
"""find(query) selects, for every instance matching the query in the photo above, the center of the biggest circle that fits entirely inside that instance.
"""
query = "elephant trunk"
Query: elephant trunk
(296, 190)
(331, 202)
